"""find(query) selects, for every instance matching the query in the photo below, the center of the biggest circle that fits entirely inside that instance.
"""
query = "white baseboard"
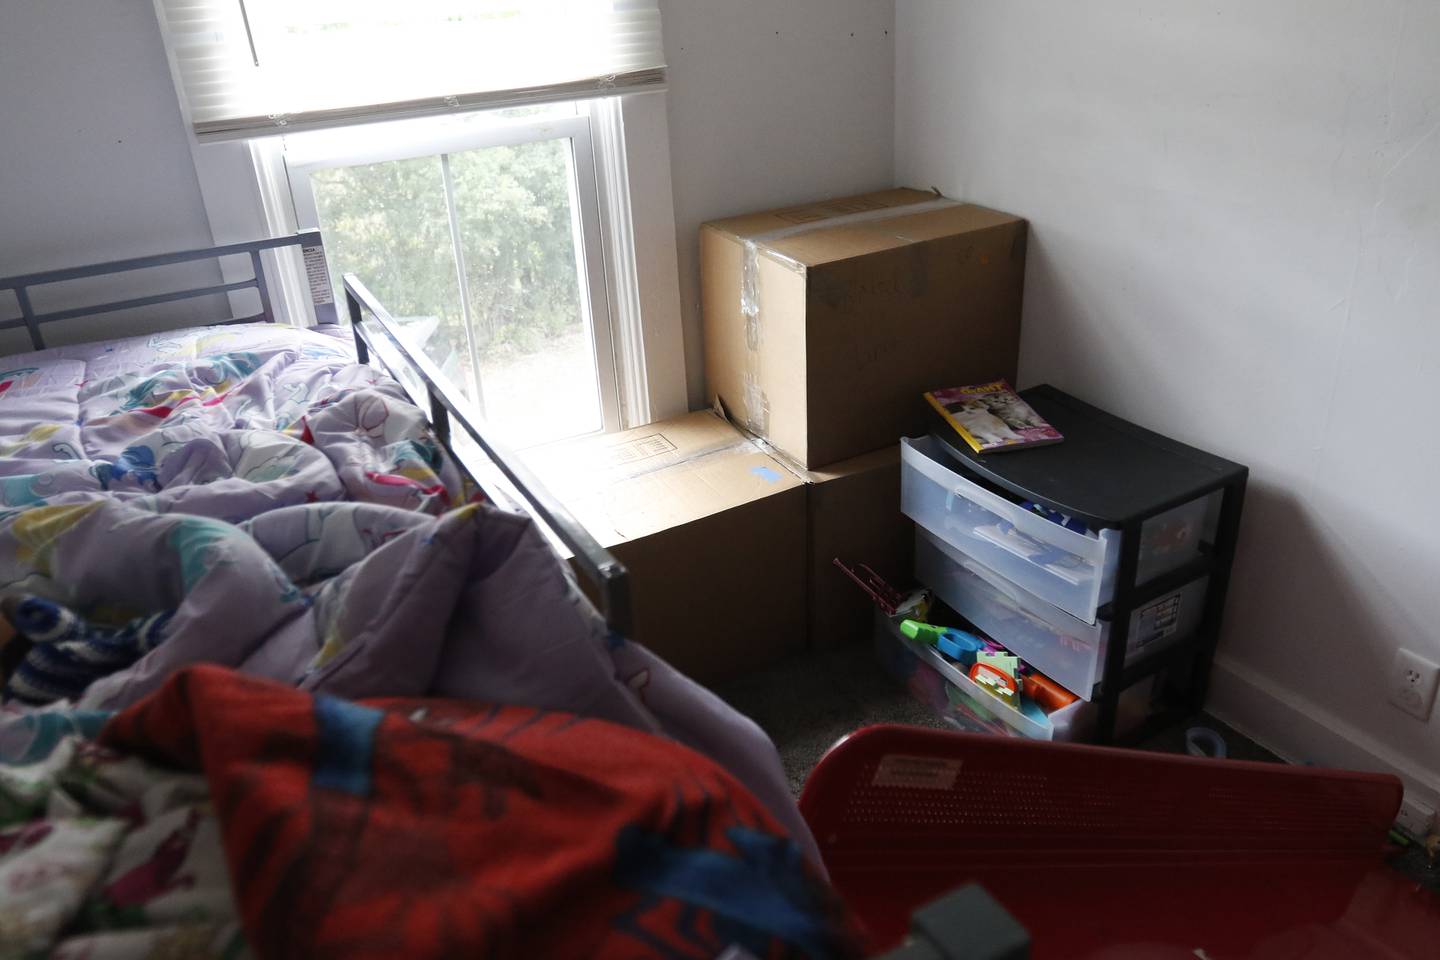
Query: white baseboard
(1300, 731)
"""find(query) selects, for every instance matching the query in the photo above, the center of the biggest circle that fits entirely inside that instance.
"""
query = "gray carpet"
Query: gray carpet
(807, 702)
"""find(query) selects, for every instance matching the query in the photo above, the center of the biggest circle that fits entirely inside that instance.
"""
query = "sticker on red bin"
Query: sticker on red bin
(921, 773)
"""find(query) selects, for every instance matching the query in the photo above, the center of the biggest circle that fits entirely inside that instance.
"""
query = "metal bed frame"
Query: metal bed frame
(371, 324)
(20, 285)
(449, 407)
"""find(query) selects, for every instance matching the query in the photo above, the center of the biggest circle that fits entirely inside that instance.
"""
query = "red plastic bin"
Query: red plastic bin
(1102, 852)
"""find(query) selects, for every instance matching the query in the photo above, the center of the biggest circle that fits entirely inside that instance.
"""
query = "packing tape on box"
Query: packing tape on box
(616, 477)
(756, 412)
(566, 483)
(757, 405)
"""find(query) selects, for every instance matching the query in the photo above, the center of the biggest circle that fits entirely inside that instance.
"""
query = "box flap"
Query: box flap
(628, 485)
(855, 226)
(750, 225)
(882, 459)
(846, 241)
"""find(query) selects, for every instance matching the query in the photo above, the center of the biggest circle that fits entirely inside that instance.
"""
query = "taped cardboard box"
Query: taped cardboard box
(711, 528)
(825, 323)
(854, 514)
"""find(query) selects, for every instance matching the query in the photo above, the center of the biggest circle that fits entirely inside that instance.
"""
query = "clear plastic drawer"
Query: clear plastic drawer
(1068, 650)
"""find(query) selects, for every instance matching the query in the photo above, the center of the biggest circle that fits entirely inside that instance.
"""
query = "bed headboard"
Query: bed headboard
(308, 241)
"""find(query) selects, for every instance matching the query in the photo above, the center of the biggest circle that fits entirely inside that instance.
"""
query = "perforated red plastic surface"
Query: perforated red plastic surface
(1115, 853)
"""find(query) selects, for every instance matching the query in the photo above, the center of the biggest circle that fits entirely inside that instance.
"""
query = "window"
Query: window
(497, 171)
(482, 234)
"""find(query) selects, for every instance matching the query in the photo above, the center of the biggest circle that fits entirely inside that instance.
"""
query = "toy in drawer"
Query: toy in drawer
(1064, 648)
(959, 701)
(1063, 567)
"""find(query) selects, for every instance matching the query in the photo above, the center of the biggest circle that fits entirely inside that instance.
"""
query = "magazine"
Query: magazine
(991, 417)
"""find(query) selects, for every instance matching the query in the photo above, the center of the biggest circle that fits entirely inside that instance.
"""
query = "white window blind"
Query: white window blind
(248, 67)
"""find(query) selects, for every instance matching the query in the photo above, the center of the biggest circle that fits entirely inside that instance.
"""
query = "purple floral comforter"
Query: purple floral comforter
(250, 496)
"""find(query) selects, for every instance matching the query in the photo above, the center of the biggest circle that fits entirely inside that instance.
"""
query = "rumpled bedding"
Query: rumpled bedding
(225, 814)
(220, 422)
(251, 497)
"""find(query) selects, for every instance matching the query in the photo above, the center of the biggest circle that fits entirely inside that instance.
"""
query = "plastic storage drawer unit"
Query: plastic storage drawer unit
(958, 700)
(1064, 648)
(1070, 570)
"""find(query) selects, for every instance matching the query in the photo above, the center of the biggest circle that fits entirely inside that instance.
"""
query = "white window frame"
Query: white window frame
(309, 153)
(247, 194)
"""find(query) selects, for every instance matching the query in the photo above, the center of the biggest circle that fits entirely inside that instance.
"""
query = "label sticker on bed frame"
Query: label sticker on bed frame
(317, 274)
(924, 773)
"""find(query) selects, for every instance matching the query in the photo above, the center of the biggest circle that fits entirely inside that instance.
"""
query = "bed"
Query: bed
(250, 527)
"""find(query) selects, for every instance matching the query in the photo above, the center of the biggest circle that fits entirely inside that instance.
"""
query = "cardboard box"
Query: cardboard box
(854, 514)
(712, 529)
(853, 308)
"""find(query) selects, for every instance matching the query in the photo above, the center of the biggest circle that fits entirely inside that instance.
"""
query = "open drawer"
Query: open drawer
(959, 701)
(1064, 648)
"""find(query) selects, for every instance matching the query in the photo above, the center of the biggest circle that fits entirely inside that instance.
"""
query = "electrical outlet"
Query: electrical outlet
(1413, 680)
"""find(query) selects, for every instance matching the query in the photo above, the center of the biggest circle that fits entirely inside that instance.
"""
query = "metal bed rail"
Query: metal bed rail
(308, 240)
(447, 408)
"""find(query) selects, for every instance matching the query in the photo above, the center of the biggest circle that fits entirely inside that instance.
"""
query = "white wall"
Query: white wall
(771, 103)
(1236, 240)
(94, 162)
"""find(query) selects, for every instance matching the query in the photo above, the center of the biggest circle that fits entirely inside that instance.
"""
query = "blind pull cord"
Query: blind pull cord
(249, 37)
